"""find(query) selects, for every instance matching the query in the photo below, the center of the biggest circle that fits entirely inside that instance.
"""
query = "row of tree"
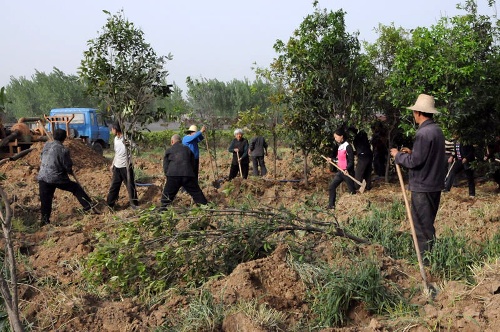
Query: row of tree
(322, 77)
(324, 80)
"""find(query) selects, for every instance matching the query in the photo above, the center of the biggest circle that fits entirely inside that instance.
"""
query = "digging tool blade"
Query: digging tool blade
(363, 186)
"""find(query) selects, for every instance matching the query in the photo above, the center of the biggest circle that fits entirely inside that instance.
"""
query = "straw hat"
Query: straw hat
(424, 104)
(192, 129)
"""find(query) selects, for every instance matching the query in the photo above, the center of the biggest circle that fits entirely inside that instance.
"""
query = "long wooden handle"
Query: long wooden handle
(352, 178)
(413, 233)
(239, 163)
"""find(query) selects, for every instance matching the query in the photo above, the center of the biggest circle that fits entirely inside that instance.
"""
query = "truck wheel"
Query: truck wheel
(97, 147)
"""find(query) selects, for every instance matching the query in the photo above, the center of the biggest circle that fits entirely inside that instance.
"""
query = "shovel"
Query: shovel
(362, 185)
(239, 162)
(447, 174)
(427, 286)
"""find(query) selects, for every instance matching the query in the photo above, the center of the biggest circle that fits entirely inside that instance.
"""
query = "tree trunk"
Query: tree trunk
(9, 292)
(275, 150)
(305, 154)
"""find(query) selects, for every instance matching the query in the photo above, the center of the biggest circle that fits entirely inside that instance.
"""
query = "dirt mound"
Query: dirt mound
(270, 280)
(54, 253)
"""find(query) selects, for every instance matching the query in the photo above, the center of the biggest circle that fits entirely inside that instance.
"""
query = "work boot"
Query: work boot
(44, 221)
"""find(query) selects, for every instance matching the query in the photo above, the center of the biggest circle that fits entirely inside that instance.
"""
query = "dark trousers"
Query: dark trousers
(189, 183)
(119, 176)
(364, 171)
(457, 167)
(424, 207)
(235, 170)
(332, 189)
(496, 177)
(196, 168)
(258, 161)
(47, 190)
(379, 163)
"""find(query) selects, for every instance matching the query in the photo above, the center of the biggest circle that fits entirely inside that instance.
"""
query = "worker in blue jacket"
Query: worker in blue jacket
(191, 140)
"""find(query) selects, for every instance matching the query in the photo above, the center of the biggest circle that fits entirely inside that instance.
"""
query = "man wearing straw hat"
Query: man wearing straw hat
(426, 164)
(191, 140)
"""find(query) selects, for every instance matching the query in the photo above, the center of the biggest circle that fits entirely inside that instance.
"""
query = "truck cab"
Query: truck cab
(84, 123)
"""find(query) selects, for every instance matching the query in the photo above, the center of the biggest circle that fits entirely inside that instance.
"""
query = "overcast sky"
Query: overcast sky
(217, 39)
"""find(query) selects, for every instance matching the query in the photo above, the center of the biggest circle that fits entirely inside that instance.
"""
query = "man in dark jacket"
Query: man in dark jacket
(258, 149)
(178, 166)
(364, 153)
(426, 164)
(55, 166)
(461, 158)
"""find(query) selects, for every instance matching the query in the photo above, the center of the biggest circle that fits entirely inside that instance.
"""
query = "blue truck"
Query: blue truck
(84, 123)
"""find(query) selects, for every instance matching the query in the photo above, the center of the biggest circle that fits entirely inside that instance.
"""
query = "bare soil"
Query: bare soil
(52, 253)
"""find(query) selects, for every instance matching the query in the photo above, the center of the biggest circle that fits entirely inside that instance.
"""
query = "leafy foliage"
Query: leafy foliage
(382, 227)
(340, 289)
(122, 70)
(217, 103)
(43, 92)
(320, 78)
(166, 249)
(456, 61)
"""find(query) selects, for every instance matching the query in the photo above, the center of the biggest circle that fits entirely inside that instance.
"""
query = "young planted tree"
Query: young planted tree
(318, 69)
(217, 104)
(381, 55)
(263, 118)
(123, 71)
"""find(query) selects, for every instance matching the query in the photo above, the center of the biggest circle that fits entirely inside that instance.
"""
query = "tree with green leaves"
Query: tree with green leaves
(217, 104)
(456, 61)
(209, 101)
(123, 71)
(173, 107)
(37, 96)
(319, 70)
(381, 55)
(3, 99)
